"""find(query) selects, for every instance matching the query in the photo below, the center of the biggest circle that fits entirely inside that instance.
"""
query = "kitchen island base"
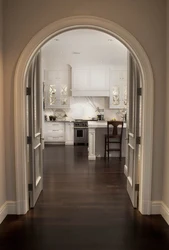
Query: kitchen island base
(96, 133)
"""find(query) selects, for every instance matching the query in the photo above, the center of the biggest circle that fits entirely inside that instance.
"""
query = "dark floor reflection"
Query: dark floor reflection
(84, 205)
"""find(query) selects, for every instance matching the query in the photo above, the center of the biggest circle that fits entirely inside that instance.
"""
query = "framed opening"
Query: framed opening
(20, 104)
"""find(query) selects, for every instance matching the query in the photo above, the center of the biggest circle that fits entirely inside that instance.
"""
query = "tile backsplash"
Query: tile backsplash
(85, 108)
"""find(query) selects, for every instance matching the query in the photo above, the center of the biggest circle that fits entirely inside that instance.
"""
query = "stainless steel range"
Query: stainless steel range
(80, 132)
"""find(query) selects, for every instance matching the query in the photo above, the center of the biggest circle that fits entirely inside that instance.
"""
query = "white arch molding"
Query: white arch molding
(20, 105)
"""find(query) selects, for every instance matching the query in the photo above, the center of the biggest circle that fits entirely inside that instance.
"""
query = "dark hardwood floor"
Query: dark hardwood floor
(84, 206)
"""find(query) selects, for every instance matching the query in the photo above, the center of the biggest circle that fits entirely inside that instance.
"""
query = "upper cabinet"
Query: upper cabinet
(90, 82)
(101, 82)
(118, 89)
(57, 88)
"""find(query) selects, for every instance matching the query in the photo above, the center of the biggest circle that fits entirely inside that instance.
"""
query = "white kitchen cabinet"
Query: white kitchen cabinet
(59, 132)
(118, 89)
(122, 74)
(90, 82)
(69, 133)
(57, 88)
(54, 132)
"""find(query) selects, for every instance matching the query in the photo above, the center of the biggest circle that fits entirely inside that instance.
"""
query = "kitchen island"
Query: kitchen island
(96, 132)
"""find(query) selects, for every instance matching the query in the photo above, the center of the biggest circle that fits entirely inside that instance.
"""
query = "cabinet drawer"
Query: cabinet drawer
(54, 138)
(54, 133)
(54, 125)
(54, 130)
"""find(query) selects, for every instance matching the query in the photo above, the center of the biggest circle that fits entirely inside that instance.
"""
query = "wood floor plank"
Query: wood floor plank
(84, 206)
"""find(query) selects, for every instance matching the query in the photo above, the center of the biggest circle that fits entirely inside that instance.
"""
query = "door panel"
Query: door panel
(35, 127)
(132, 130)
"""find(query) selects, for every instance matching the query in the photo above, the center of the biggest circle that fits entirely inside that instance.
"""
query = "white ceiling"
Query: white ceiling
(84, 47)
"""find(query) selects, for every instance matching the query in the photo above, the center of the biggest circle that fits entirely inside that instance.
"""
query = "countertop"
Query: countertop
(69, 120)
(100, 124)
(91, 123)
(61, 121)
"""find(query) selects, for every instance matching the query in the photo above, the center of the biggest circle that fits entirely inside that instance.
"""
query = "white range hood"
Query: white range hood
(90, 82)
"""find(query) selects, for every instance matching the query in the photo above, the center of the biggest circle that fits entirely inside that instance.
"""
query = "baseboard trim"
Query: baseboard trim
(165, 212)
(69, 143)
(159, 207)
(9, 207)
(125, 170)
(3, 212)
(156, 207)
(91, 157)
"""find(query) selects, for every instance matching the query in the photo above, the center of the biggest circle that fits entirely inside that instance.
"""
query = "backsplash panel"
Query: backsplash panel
(85, 108)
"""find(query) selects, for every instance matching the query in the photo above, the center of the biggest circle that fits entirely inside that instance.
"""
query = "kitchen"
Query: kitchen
(84, 86)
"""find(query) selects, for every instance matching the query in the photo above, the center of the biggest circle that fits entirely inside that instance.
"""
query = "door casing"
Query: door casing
(145, 68)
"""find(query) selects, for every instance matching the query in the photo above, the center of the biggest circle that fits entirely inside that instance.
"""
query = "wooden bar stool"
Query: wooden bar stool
(114, 135)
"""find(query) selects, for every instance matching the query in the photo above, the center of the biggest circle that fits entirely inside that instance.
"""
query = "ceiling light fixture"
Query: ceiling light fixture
(75, 53)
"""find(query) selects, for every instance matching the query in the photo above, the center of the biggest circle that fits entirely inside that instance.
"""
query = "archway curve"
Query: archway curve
(136, 49)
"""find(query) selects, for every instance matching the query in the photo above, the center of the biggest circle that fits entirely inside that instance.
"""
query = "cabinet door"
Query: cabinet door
(65, 89)
(52, 94)
(118, 89)
(123, 75)
(57, 89)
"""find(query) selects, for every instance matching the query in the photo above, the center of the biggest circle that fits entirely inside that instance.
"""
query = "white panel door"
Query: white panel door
(35, 125)
(132, 131)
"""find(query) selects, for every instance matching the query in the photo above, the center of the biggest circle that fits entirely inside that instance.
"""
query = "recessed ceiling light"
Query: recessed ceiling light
(76, 53)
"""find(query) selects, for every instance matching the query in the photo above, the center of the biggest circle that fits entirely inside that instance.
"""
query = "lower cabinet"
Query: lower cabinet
(59, 132)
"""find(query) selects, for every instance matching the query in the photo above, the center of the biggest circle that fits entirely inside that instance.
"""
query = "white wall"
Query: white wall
(144, 19)
(2, 142)
(165, 197)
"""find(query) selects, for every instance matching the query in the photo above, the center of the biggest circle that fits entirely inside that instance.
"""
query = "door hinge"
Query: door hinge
(29, 140)
(28, 91)
(136, 187)
(30, 187)
(139, 91)
(138, 140)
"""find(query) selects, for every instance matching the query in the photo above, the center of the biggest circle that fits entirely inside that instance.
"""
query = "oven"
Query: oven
(80, 132)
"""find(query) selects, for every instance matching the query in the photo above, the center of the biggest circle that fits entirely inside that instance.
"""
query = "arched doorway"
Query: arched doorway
(20, 105)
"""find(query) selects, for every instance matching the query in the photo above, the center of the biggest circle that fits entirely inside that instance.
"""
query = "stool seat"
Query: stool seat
(114, 135)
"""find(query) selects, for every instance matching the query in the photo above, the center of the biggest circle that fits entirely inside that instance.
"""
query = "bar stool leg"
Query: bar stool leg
(120, 151)
(108, 149)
